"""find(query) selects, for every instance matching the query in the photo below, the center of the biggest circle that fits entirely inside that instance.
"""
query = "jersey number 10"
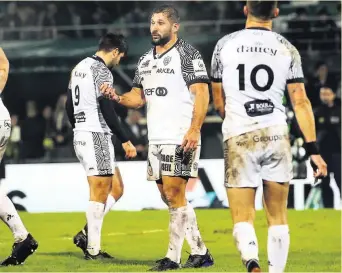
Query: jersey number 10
(77, 95)
(255, 70)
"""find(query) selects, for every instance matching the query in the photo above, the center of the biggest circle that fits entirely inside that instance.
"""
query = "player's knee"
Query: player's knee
(277, 217)
(99, 190)
(117, 192)
(175, 197)
(163, 197)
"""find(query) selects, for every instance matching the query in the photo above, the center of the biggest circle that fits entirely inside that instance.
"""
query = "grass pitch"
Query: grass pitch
(137, 239)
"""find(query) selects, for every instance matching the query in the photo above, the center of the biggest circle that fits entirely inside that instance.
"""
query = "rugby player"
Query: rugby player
(94, 120)
(171, 79)
(24, 244)
(252, 68)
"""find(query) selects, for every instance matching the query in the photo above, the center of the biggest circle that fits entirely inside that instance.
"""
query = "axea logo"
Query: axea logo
(165, 71)
(159, 91)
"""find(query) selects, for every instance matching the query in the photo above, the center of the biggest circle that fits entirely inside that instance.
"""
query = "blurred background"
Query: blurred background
(44, 40)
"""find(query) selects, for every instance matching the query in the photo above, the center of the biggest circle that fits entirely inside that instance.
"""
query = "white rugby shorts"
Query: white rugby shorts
(95, 151)
(171, 160)
(5, 133)
(263, 154)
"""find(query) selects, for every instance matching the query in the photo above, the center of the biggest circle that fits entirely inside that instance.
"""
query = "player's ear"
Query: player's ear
(245, 10)
(276, 13)
(115, 52)
(175, 27)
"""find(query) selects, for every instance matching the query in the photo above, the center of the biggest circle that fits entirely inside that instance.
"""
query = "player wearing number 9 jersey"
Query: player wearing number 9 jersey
(253, 67)
(94, 120)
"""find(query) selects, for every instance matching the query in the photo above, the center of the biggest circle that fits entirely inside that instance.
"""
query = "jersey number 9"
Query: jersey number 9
(77, 95)
(255, 70)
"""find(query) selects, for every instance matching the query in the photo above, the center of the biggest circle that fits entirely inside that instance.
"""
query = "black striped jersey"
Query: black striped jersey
(165, 80)
(254, 66)
(85, 81)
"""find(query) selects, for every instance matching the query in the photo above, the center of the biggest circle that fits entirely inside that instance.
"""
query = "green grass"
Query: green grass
(137, 239)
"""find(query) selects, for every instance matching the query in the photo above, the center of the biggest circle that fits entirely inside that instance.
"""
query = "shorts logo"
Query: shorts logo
(79, 143)
(149, 168)
(195, 166)
(167, 60)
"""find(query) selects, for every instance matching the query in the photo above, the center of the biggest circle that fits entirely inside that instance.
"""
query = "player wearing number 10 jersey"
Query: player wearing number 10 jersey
(253, 67)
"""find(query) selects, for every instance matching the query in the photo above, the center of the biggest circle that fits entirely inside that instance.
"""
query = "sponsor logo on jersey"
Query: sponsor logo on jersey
(80, 117)
(79, 74)
(165, 70)
(145, 72)
(159, 91)
(145, 64)
(257, 108)
(167, 60)
(269, 138)
(257, 49)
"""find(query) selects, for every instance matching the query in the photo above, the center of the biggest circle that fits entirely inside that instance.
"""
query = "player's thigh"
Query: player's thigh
(174, 188)
(117, 184)
(5, 133)
(276, 160)
(153, 163)
(241, 162)
(275, 201)
(95, 152)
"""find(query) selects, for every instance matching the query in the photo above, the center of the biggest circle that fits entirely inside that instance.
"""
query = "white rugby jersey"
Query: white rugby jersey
(85, 81)
(4, 114)
(254, 66)
(165, 81)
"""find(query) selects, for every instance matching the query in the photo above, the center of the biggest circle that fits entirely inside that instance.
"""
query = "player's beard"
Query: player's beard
(161, 41)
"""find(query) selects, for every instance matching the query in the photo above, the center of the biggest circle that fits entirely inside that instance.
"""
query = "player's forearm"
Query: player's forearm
(305, 119)
(200, 109)
(218, 99)
(131, 100)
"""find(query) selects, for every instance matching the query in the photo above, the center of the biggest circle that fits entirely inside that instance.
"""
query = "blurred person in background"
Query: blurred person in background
(13, 147)
(328, 125)
(11, 20)
(320, 78)
(137, 133)
(32, 133)
(24, 244)
(49, 130)
(62, 126)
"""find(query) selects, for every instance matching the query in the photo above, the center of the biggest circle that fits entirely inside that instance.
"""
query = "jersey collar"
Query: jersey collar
(97, 58)
(260, 28)
(161, 55)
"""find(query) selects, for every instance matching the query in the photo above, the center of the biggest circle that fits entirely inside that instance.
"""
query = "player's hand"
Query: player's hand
(130, 150)
(190, 140)
(319, 166)
(109, 92)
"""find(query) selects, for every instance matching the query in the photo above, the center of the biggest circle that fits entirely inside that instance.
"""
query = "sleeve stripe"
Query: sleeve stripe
(197, 81)
(215, 79)
(295, 80)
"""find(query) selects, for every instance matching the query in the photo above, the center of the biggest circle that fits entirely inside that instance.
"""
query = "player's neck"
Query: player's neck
(253, 22)
(160, 49)
(104, 57)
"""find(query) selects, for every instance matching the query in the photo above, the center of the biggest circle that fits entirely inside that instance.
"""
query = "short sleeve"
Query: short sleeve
(101, 75)
(193, 67)
(216, 65)
(295, 73)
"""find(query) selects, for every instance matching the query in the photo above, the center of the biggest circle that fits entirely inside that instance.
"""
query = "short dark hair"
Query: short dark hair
(262, 9)
(171, 12)
(110, 41)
